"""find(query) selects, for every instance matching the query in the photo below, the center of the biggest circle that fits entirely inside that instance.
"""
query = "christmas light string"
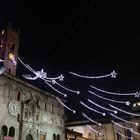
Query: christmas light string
(2, 69)
(91, 119)
(65, 105)
(128, 128)
(102, 113)
(1, 60)
(136, 94)
(43, 75)
(112, 74)
(125, 136)
(121, 102)
(102, 107)
(133, 114)
(94, 130)
(113, 115)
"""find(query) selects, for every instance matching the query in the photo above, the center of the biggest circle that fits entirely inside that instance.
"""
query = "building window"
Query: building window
(58, 137)
(129, 134)
(54, 136)
(45, 105)
(4, 130)
(9, 71)
(18, 96)
(29, 137)
(118, 136)
(37, 116)
(37, 102)
(26, 113)
(12, 131)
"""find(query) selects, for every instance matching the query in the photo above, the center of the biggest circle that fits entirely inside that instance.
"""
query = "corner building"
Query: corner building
(26, 112)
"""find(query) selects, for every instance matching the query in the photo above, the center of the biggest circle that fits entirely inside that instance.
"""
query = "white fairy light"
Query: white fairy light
(82, 103)
(43, 75)
(94, 130)
(125, 136)
(102, 107)
(65, 95)
(113, 93)
(133, 114)
(121, 102)
(2, 69)
(128, 128)
(1, 60)
(136, 124)
(90, 119)
(77, 92)
(112, 74)
(65, 105)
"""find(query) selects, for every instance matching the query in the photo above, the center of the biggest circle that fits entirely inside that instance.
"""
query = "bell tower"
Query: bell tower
(9, 45)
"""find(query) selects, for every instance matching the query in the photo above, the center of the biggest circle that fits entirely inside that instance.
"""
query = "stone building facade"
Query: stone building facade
(28, 113)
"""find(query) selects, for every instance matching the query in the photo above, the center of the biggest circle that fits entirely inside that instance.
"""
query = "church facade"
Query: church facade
(26, 112)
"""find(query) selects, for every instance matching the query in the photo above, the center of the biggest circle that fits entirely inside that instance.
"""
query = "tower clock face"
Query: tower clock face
(13, 107)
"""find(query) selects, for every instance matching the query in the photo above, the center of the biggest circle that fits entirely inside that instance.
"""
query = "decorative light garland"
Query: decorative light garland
(128, 128)
(136, 124)
(112, 74)
(133, 114)
(65, 105)
(125, 136)
(121, 102)
(102, 107)
(94, 130)
(1, 60)
(2, 69)
(82, 103)
(136, 94)
(90, 119)
(43, 75)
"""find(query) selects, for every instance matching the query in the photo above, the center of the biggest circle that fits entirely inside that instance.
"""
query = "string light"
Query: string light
(112, 74)
(121, 102)
(65, 105)
(128, 128)
(90, 119)
(125, 136)
(2, 69)
(82, 103)
(136, 124)
(43, 75)
(102, 107)
(114, 93)
(65, 95)
(1, 60)
(94, 130)
(133, 114)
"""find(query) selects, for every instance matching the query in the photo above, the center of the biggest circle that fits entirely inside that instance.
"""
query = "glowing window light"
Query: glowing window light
(125, 136)
(121, 102)
(2, 69)
(113, 93)
(90, 119)
(112, 74)
(102, 107)
(65, 105)
(136, 124)
(128, 128)
(133, 114)
(2, 32)
(94, 130)
(82, 103)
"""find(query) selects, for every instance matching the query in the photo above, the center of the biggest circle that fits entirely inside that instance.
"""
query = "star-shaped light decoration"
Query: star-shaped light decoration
(61, 77)
(137, 94)
(113, 74)
(127, 103)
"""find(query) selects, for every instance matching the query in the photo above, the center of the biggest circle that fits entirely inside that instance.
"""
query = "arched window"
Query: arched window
(58, 137)
(4, 130)
(54, 136)
(29, 137)
(11, 131)
(18, 95)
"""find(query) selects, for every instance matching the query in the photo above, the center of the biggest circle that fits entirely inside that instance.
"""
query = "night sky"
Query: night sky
(87, 37)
